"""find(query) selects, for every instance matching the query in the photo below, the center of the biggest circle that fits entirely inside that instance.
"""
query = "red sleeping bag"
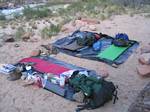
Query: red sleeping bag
(45, 66)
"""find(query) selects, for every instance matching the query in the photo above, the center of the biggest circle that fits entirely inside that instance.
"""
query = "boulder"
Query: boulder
(35, 38)
(92, 27)
(90, 21)
(145, 49)
(143, 70)
(80, 23)
(104, 73)
(3, 36)
(26, 36)
(68, 28)
(35, 52)
(11, 39)
(145, 58)
(1, 42)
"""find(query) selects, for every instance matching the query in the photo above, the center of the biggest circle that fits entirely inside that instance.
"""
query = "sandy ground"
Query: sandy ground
(16, 98)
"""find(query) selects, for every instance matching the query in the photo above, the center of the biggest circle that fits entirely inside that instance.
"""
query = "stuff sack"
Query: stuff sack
(121, 40)
(85, 38)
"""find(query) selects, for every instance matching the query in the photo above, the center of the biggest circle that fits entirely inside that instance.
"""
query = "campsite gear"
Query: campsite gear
(15, 75)
(89, 53)
(55, 88)
(45, 66)
(79, 97)
(121, 40)
(100, 95)
(67, 91)
(112, 52)
(84, 48)
(55, 80)
(73, 46)
(97, 91)
(7, 69)
(38, 81)
(85, 38)
(97, 46)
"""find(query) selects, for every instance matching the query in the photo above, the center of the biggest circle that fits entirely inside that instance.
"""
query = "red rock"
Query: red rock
(145, 58)
(145, 49)
(143, 70)
(68, 28)
(26, 36)
(35, 38)
(92, 27)
(90, 21)
(35, 53)
(80, 23)
(104, 73)
(10, 40)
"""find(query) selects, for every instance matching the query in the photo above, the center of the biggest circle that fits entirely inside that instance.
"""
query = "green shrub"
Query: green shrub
(48, 32)
(2, 17)
(19, 32)
(35, 13)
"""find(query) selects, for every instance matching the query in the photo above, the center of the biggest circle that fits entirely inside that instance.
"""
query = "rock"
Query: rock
(79, 97)
(64, 29)
(6, 37)
(79, 23)
(2, 38)
(142, 102)
(104, 73)
(49, 49)
(35, 38)
(68, 28)
(35, 53)
(145, 58)
(143, 70)
(34, 26)
(26, 37)
(11, 39)
(90, 21)
(92, 28)
(1, 42)
(16, 45)
(145, 49)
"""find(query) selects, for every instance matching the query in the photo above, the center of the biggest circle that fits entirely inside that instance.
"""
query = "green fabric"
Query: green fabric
(84, 83)
(112, 52)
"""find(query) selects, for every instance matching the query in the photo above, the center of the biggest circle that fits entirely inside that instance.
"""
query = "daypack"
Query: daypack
(97, 91)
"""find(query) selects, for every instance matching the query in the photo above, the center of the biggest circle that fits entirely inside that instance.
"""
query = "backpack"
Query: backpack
(100, 95)
(97, 91)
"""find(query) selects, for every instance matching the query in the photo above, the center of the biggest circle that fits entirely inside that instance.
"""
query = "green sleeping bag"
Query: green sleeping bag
(112, 52)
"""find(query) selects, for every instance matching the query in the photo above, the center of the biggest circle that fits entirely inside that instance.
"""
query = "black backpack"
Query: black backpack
(104, 92)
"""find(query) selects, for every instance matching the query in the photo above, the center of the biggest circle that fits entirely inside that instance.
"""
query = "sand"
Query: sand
(16, 98)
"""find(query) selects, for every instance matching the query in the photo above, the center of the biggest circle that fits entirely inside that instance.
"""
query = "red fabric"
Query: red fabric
(45, 66)
(97, 36)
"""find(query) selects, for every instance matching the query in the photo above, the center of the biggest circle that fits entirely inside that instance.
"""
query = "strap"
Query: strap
(115, 95)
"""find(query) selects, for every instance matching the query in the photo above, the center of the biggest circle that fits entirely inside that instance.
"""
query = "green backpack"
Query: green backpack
(97, 91)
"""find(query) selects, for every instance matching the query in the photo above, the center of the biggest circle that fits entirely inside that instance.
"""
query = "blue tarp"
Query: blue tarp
(90, 53)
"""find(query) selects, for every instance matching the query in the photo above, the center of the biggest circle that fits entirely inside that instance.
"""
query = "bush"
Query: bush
(2, 16)
(53, 30)
(19, 32)
(131, 3)
(30, 13)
